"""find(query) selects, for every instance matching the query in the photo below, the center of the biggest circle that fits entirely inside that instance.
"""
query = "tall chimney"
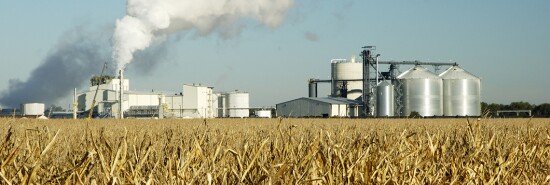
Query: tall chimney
(121, 95)
(75, 104)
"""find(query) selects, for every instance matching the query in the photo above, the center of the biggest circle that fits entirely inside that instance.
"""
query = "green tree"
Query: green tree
(493, 107)
(542, 109)
(484, 106)
(521, 106)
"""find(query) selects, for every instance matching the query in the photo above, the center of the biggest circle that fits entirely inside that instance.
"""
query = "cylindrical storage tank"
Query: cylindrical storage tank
(238, 104)
(312, 88)
(263, 113)
(162, 102)
(461, 93)
(341, 71)
(222, 105)
(385, 99)
(32, 109)
(422, 92)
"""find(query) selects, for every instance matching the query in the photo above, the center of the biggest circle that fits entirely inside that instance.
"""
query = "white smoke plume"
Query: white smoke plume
(148, 21)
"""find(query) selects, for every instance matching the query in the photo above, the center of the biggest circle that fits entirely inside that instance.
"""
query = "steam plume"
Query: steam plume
(148, 21)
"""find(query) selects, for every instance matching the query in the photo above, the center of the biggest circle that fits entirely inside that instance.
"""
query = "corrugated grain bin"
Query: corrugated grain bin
(461, 93)
(385, 99)
(422, 92)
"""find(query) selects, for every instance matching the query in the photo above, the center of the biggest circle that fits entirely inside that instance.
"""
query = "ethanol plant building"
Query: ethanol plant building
(194, 101)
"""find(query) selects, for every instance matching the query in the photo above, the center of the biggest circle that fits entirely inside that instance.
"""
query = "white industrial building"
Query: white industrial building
(195, 101)
(319, 107)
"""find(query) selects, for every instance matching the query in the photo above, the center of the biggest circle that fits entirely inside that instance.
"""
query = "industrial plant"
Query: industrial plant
(374, 88)
(366, 88)
(195, 101)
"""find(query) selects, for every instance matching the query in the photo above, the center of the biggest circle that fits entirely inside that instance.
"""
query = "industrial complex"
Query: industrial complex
(365, 88)
(374, 88)
(195, 101)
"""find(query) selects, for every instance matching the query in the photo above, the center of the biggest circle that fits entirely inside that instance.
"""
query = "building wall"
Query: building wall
(340, 110)
(304, 108)
(142, 99)
(198, 101)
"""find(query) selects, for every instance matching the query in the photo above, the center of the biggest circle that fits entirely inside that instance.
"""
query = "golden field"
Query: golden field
(275, 151)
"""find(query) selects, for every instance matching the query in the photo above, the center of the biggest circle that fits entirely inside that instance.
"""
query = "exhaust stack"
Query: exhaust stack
(121, 95)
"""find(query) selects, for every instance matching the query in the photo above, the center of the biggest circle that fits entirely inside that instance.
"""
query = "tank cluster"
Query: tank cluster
(454, 92)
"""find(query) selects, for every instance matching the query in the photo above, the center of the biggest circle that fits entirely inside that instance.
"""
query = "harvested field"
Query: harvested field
(275, 151)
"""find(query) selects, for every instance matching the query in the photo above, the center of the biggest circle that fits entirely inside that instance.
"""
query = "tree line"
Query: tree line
(541, 110)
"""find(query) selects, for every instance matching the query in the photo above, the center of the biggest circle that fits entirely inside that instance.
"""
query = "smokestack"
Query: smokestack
(75, 104)
(121, 95)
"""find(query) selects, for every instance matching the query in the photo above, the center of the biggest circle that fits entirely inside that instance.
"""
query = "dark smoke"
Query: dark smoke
(311, 36)
(146, 61)
(78, 55)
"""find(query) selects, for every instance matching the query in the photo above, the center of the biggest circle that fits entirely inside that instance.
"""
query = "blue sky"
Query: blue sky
(504, 42)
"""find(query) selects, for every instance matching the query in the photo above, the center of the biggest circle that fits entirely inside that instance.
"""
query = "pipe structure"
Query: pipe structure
(417, 62)
(312, 88)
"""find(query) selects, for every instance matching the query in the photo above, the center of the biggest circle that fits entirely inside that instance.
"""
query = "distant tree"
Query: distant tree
(493, 107)
(520, 106)
(415, 114)
(54, 108)
(484, 107)
(542, 110)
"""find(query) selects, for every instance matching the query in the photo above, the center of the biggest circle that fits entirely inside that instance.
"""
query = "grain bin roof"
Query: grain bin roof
(417, 72)
(456, 72)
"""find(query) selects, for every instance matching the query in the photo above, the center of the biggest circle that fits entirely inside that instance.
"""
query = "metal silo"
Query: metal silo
(385, 99)
(421, 92)
(346, 79)
(461, 93)
(238, 104)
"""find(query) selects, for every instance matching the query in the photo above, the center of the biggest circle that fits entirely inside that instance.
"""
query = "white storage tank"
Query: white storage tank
(422, 92)
(461, 93)
(341, 69)
(222, 105)
(238, 104)
(385, 99)
(32, 109)
(263, 113)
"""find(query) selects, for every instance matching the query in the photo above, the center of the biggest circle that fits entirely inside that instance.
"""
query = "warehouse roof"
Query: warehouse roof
(330, 100)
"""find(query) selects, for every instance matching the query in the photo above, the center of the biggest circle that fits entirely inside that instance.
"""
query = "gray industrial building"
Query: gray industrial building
(319, 107)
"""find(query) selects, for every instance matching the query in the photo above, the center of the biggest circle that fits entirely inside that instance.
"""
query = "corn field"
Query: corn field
(275, 151)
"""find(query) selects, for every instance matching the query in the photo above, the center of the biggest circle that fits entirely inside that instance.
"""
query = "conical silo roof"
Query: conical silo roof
(417, 72)
(456, 72)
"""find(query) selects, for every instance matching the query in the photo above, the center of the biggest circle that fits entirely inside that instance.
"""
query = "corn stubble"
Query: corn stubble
(275, 151)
